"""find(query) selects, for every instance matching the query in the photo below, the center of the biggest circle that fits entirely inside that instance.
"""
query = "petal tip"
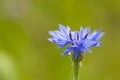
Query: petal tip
(50, 39)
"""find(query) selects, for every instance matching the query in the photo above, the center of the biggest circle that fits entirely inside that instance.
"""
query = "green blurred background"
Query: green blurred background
(26, 54)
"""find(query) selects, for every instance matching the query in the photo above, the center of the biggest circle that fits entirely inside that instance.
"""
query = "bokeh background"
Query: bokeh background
(26, 54)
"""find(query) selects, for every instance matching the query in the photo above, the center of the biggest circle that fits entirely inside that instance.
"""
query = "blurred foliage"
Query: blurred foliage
(26, 54)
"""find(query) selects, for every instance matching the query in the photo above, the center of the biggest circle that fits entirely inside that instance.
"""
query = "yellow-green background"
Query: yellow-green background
(26, 54)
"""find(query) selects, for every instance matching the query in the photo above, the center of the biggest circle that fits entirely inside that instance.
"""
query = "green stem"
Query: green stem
(76, 70)
(76, 65)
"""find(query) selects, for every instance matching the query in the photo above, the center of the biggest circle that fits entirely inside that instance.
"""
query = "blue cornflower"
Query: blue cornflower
(79, 41)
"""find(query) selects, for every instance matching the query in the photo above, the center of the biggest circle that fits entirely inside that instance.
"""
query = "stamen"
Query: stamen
(70, 35)
(86, 36)
(77, 36)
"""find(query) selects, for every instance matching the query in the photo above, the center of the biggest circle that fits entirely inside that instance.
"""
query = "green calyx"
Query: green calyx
(78, 58)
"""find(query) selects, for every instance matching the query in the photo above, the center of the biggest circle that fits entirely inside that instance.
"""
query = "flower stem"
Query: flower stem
(76, 65)
(76, 70)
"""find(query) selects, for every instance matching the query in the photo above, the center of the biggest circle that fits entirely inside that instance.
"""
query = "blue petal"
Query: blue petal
(70, 48)
(75, 52)
(87, 29)
(56, 34)
(100, 36)
(63, 29)
(51, 39)
(63, 43)
(96, 35)
(75, 35)
(98, 44)
(93, 35)
(81, 49)
(52, 33)
(89, 43)
(81, 29)
(84, 32)
(88, 50)
(62, 35)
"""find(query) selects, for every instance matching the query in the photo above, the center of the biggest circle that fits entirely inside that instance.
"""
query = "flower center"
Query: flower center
(76, 39)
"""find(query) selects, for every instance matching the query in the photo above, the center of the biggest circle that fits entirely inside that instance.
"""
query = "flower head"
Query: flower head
(79, 41)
